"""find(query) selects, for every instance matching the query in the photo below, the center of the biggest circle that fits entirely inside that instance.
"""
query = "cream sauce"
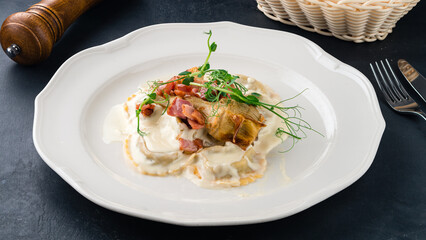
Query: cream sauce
(115, 124)
(222, 155)
(162, 131)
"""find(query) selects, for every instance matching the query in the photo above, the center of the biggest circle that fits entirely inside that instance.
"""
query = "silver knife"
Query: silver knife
(416, 80)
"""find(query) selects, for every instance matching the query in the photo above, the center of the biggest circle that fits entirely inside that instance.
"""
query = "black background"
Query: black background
(388, 202)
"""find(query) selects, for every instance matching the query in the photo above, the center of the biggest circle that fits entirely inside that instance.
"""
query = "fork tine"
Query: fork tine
(398, 83)
(389, 85)
(385, 94)
(391, 95)
(392, 83)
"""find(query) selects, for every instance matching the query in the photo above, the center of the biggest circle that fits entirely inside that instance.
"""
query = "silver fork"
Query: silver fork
(394, 93)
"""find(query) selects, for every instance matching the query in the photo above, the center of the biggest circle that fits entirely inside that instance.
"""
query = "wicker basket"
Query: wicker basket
(351, 20)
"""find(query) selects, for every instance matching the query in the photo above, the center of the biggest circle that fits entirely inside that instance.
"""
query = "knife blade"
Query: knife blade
(416, 80)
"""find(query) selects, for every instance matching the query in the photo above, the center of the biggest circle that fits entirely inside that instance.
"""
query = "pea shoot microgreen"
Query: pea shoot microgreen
(220, 85)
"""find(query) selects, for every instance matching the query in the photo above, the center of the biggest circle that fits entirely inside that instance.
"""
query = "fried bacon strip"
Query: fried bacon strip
(147, 110)
(167, 88)
(183, 109)
(188, 146)
(176, 88)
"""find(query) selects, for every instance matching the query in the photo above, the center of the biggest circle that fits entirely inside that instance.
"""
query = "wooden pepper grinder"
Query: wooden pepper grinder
(28, 37)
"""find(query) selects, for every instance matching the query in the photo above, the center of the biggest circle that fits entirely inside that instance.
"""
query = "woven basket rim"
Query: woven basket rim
(359, 4)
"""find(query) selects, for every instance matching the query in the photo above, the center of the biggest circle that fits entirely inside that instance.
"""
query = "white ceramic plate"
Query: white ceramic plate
(340, 103)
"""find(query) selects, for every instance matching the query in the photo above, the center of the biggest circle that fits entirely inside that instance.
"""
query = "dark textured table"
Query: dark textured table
(388, 202)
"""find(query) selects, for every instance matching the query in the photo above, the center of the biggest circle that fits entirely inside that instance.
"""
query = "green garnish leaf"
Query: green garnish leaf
(233, 97)
(187, 80)
(255, 94)
(252, 99)
(152, 95)
(184, 73)
(213, 47)
(207, 67)
(237, 92)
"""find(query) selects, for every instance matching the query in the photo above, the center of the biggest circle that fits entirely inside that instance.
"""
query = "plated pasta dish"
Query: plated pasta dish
(208, 125)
